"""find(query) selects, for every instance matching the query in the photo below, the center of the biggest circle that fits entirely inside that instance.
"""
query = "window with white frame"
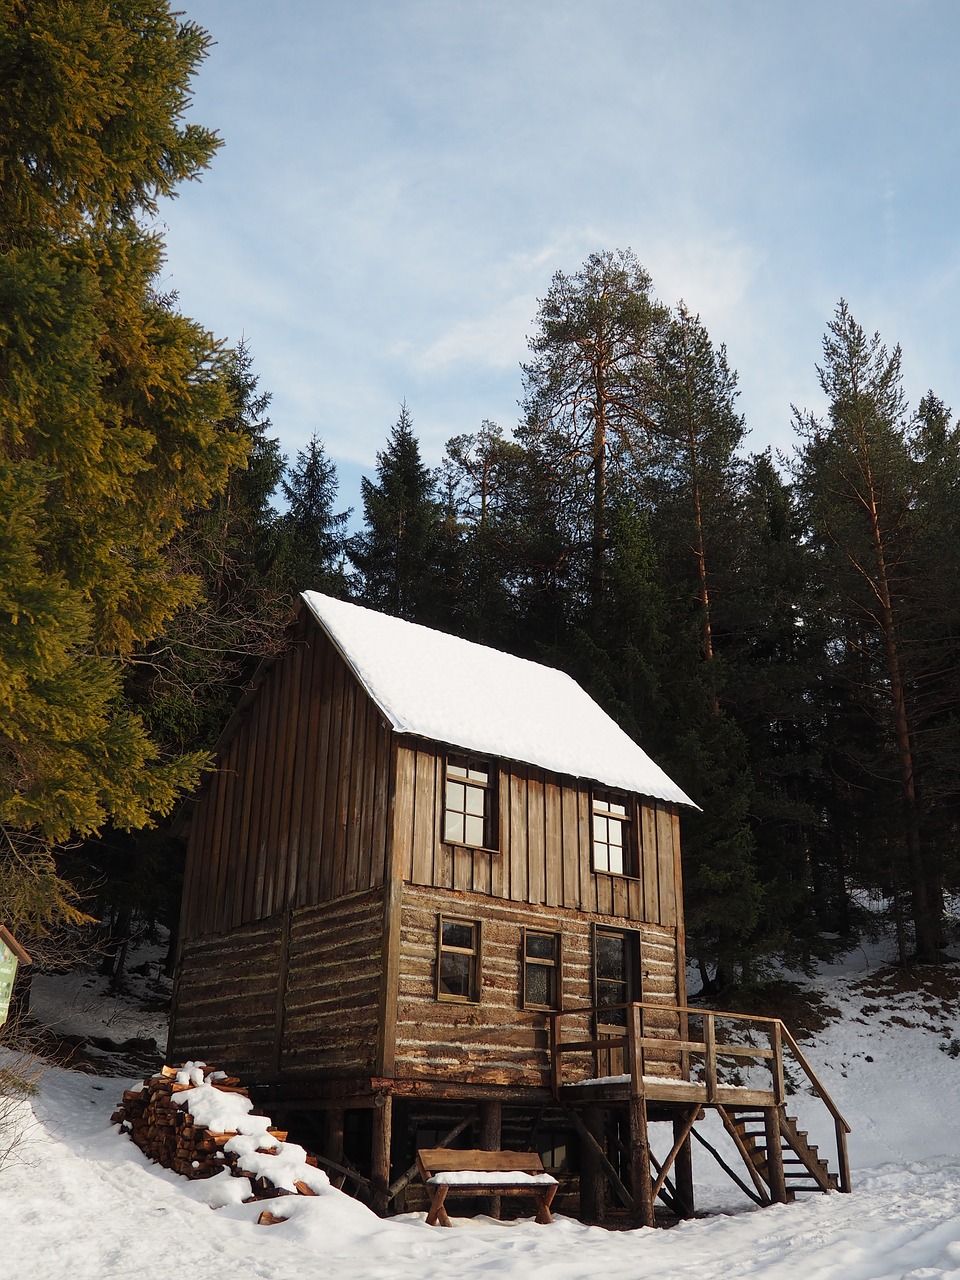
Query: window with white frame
(612, 833)
(468, 803)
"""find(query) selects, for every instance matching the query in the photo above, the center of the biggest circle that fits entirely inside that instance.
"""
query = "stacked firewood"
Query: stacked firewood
(169, 1134)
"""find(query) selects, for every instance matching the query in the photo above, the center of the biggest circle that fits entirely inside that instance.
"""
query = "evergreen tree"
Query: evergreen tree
(862, 490)
(313, 533)
(111, 412)
(404, 552)
(589, 391)
(480, 478)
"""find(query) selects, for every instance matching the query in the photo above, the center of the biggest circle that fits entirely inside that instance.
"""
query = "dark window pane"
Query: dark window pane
(457, 934)
(542, 946)
(538, 984)
(456, 975)
(609, 993)
(611, 958)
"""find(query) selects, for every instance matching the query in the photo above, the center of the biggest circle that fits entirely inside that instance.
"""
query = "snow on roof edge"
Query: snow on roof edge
(419, 680)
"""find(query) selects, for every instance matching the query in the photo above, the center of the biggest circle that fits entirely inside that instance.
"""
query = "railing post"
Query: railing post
(776, 1062)
(635, 1049)
(843, 1160)
(710, 1056)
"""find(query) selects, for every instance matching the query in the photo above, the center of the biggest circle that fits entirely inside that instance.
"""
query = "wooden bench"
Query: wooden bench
(446, 1172)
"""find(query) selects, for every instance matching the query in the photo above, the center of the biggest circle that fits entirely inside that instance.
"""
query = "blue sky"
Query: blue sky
(401, 178)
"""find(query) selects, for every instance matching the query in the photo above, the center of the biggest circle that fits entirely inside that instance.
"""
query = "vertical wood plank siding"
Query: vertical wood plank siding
(496, 1041)
(544, 855)
(296, 812)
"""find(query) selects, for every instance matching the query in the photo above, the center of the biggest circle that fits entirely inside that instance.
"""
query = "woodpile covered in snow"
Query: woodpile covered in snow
(199, 1122)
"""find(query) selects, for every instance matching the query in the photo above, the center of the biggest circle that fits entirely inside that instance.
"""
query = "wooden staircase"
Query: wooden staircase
(799, 1160)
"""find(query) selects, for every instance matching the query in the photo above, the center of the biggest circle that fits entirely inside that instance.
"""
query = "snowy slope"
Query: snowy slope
(82, 1200)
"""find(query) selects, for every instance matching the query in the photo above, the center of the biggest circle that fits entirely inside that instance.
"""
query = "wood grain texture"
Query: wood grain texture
(496, 1040)
(296, 812)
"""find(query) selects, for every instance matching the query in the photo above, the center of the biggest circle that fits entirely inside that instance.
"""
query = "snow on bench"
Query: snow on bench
(446, 1171)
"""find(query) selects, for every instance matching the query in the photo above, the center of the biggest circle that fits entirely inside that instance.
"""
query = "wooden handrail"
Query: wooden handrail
(811, 1075)
(636, 1040)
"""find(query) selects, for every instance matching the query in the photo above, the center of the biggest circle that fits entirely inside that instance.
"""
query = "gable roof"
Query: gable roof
(445, 689)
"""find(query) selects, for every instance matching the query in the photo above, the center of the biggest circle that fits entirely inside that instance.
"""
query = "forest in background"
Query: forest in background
(779, 633)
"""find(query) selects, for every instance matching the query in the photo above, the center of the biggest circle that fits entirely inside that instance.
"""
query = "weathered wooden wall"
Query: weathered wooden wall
(544, 855)
(297, 811)
(332, 1000)
(226, 1000)
(295, 995)
(496, 1041)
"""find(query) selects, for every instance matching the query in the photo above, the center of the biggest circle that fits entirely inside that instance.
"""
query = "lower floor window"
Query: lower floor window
(458, 959)
(541, 969)
(616, 970)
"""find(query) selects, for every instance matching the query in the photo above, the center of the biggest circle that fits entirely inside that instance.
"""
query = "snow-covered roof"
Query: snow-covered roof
(467, 695)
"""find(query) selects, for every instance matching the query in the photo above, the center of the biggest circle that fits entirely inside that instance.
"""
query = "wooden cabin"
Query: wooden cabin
(431, 891)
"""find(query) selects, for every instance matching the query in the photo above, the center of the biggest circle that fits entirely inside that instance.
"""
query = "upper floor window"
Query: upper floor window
(468, 802)
(612, 833)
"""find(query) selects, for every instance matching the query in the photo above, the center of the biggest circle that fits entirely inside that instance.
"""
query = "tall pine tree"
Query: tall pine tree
(863, 491)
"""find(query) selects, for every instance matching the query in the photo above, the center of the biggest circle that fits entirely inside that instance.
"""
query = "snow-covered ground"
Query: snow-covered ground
(81, 1201)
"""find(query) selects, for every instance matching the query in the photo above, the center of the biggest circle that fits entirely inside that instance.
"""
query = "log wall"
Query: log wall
(544, 855)
(496, 1041)
(297, 811)
(332, 1001)
(225, 1008)
(295, 995)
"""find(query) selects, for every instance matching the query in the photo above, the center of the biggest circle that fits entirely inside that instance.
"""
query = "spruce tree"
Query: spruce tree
(312, 532)
(111, 412)
(404, 552)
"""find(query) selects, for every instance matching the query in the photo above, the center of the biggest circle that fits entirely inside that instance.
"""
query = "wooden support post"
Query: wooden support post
(683, 1169)
(553, 1022)
(592, 1185)
(842, 1155)
(333, 1134)
(775, 1178)
(626, 1199)
(640, 1180)
(380, 1153)
(491, 1124)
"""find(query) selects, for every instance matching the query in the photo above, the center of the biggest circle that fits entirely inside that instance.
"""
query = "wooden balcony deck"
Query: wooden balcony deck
(670, 1062)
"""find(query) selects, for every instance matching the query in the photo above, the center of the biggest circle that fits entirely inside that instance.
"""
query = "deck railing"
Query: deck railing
(727, 1044)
